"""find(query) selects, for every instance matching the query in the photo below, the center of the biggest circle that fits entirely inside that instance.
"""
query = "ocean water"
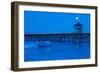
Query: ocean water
(45, 50)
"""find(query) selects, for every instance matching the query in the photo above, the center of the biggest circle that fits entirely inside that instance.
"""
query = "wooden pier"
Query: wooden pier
(64, 37)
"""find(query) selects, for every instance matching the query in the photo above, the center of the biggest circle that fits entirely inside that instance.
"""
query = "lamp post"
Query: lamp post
(78, 31)
(78, 26)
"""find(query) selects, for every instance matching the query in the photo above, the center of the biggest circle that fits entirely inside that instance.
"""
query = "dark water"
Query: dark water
(43, 51)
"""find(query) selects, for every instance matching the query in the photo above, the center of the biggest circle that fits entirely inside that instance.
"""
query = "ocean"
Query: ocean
(45, 50)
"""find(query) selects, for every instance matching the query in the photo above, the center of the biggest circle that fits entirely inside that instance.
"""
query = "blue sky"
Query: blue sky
(53, 22)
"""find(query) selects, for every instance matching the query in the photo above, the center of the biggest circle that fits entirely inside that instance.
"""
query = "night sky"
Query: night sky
(54, 22)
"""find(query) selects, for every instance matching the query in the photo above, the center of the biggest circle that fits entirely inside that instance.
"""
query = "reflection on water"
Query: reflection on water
(45, 50)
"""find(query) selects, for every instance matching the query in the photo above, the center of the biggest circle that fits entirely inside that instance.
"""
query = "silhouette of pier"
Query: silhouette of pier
(61, 37)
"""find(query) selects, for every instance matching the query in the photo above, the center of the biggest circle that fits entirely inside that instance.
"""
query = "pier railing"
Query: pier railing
(66, 37)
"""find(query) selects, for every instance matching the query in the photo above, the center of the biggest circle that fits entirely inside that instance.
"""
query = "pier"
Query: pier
(61, 37)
